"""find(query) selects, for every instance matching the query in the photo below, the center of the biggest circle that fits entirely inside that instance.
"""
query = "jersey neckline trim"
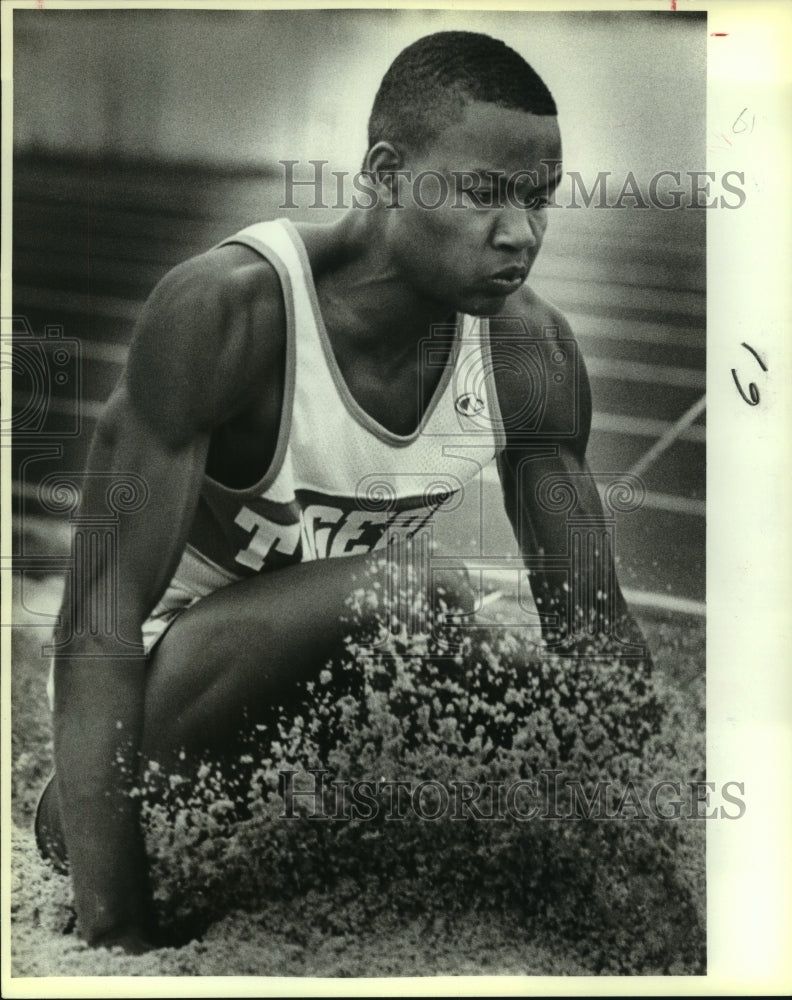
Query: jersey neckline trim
(354, 409)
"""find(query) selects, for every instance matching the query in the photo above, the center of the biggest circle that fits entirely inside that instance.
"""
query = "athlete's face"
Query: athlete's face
(489, 173)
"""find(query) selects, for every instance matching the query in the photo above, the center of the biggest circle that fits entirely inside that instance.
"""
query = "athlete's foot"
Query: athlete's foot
(47, 829)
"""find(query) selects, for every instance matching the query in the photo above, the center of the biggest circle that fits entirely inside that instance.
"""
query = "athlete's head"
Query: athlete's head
(430, 82)
(464, 137)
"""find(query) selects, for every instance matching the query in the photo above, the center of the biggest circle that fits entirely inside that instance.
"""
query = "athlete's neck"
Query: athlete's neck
(365, 300)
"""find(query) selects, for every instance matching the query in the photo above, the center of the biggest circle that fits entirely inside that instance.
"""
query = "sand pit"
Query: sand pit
(382, 913)
(262, 944)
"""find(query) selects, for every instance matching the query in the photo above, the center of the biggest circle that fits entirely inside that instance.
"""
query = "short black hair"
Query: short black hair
(429, 83)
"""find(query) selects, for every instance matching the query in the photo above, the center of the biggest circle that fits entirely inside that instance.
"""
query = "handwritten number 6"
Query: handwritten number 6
(752, 390)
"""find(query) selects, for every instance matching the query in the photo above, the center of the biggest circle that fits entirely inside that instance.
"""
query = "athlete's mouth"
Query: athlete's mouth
(509, 279)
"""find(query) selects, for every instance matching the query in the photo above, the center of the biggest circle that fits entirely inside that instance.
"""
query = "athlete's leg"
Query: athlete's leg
(231, 659)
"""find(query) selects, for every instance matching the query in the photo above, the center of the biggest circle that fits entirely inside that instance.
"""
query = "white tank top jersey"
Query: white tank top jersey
(339, 480)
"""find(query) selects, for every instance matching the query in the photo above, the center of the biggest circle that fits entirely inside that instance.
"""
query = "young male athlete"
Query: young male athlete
(292, 395)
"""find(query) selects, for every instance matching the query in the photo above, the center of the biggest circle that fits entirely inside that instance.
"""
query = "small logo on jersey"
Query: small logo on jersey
(469, 405)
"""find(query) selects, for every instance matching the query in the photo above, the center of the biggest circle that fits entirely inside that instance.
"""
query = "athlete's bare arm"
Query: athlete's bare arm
(206, 350)
(554, 450)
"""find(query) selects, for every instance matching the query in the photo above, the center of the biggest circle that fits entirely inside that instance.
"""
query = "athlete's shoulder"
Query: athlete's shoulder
(209, 336)
(228, 284)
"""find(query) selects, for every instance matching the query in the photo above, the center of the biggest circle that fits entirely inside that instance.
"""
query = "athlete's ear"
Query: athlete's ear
(383, 163)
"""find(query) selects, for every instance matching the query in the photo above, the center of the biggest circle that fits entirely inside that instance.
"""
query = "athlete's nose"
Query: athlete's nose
(515, 229)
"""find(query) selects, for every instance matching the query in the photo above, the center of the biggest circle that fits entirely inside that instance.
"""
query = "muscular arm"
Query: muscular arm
(192, 366)
(99, 693)
(547, 482)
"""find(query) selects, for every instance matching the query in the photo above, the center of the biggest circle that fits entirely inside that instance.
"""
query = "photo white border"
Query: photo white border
(749, 686)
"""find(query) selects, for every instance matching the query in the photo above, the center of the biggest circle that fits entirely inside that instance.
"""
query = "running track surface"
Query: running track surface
(91, 240)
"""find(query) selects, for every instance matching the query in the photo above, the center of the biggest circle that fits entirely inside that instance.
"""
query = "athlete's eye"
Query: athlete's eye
(483, 198)
(534, 202)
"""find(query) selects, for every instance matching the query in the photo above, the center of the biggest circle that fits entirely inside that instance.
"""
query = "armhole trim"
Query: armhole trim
(498, 430)
(284, 428)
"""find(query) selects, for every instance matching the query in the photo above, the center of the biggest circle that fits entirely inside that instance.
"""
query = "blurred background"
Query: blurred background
(233, 88)
(143, 137)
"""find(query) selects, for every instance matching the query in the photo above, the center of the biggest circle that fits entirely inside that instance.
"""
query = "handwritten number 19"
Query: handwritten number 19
(743, 124)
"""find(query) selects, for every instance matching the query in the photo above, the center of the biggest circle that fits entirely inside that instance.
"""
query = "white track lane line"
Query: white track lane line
(676, 431)
(506, 582)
